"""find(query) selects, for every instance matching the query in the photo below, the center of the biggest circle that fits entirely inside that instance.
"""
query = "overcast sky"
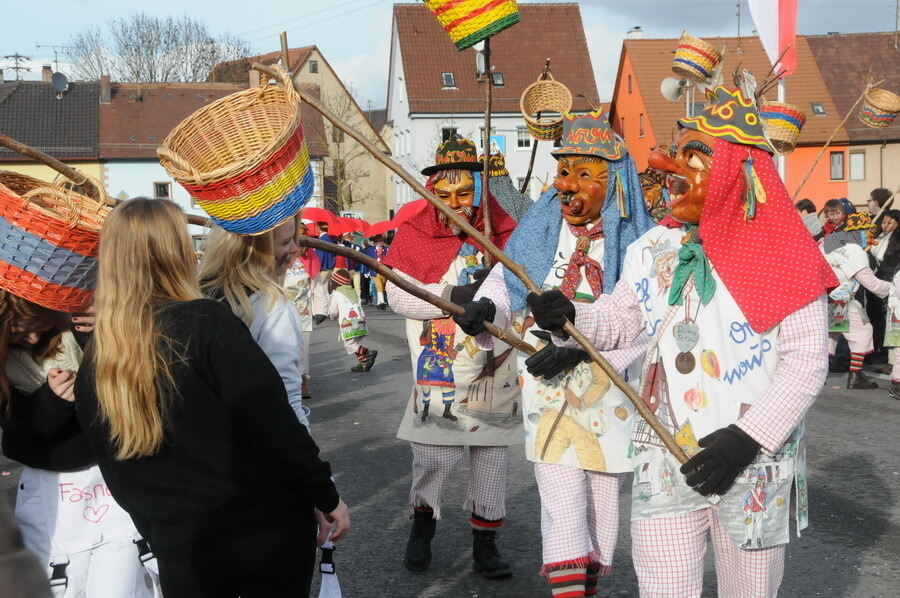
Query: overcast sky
(354, 35)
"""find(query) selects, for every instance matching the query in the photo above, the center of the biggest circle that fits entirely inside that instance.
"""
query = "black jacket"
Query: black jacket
(234, 459)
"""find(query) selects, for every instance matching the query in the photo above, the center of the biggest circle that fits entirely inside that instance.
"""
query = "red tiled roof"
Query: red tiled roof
(845, 62)
(235, 71)
(545, 31)
(652, 62)
(139, 116)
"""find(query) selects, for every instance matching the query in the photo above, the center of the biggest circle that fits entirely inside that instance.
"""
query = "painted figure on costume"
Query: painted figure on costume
(755, 505)
(577, 426)
(478, 388)
(733, 358)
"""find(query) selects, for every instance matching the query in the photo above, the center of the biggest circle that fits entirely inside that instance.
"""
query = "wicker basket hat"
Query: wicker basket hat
(782, 123)
(49, 236)
(880, 108)
(695, 59)
(243, 157)
(471, 21)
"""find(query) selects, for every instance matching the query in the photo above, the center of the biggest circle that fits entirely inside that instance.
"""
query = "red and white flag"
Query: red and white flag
(776, 22)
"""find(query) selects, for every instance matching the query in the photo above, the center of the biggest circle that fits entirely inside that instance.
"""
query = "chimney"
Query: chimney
(254, 77)
(635, 33)
(105, 89)
(46, 74)
(1, 76)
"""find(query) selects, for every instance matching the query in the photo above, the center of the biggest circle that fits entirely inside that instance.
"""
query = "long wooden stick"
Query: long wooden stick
(486, 145)
(517, 269)
(827, 143)
(446, 306)
(76, 176)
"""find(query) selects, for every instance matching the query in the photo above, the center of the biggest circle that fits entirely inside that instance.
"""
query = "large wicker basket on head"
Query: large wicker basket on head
(695, 59)
(782, 123)
(551, 98)
(880, 108)
(244, 158)
(469, 22)
(49, 236)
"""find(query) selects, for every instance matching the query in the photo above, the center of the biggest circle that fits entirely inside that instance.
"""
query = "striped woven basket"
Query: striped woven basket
(552, 99)
(49, 236)
(695, 58)
(243, 158)
(782, 124)
(880, 108)
(467, 22)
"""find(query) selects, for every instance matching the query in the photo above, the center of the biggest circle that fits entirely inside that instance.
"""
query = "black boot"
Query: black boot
(418, 548)
(858, 380)
(894, 390)
(487, 558)
(447, 413)
(370, 359)
(425, 412)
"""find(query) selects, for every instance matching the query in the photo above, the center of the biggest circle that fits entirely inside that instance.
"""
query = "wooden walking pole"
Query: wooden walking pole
(448, 307)
(486, 145)
(517, 269)
(827, 143)
(534, 142)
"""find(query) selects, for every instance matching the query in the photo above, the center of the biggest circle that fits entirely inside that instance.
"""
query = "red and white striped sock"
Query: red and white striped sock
(592, 576)
(856, 361)
(568, 583)
(361, 354)
(480, 523)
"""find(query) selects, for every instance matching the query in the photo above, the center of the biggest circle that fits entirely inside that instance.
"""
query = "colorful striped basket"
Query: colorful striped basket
(547, 96)
(695, 59)
(782, 124)
(49, 236)
(467, 22)
(880, 108)
(243, 158)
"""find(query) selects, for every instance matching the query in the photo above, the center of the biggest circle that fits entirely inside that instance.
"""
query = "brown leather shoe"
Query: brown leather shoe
(858, 380)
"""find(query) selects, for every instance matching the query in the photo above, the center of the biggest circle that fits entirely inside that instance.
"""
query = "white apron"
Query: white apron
(732, 365)
(845, 261)
(593, 431)
(450, 370)
(298, 285)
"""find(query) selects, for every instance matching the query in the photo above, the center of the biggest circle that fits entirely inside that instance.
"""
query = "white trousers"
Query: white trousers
(486, 494)
(579, 515)
(668, 559)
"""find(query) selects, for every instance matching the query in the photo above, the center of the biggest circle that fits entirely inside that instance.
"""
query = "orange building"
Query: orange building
(645, 118)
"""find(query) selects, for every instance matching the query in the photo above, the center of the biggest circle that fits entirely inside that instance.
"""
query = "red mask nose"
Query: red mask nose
(661, 161)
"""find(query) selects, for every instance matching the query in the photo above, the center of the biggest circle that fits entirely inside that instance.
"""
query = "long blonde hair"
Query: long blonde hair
(237, 266)
(145, 259)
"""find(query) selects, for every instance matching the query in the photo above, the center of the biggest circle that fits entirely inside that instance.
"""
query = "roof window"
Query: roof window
(497, 79)
(448, 80)
(818, 109)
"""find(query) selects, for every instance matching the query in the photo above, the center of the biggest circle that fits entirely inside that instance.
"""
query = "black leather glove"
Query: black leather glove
(477, 313)
(551, 309)
(726, 452)
(551, 360)
(466, 292)
(319, 318)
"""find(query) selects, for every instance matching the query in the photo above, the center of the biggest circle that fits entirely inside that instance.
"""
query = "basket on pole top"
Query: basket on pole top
(472, 21)
(243, 158)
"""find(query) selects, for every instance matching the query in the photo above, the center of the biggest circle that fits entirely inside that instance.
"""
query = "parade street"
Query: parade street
(849, 550)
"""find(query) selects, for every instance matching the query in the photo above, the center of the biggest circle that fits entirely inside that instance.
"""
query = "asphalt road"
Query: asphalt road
(851, 548)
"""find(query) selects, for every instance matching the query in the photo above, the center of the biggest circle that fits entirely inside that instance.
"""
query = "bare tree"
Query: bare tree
(148, 49)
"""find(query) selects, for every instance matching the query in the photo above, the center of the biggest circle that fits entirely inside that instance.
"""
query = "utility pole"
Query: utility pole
(18, 61)
(739, 50)
(56, 51)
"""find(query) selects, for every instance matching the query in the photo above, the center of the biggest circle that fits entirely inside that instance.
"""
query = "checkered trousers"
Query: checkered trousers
(579, 515)
(486, 495)
(668, 559)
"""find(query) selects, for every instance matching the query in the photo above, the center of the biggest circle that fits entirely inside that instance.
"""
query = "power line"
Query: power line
(284, 22)
(18, 59)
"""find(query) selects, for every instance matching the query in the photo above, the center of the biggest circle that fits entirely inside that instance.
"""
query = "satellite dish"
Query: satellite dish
(479, 63)
(672, 89)
(60, 84)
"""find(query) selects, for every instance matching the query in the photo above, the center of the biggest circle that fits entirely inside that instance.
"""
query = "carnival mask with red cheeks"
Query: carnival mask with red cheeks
(456, 189)
(687, 173)
(581, 184)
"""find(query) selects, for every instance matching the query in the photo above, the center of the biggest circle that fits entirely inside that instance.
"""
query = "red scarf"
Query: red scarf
(593, 271)
(424, 247)
(770, 264)
(310, 262)
(829, 227)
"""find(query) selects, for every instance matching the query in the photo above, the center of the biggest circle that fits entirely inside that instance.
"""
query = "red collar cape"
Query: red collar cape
(424, 247)
(770, 264)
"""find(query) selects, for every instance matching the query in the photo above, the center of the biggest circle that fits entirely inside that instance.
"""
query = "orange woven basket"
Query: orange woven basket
(49, 236)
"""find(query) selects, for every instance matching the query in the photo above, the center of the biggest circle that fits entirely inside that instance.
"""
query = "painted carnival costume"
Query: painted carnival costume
(344, 306)
(735, 359)
(577, 427)
(475, 391)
